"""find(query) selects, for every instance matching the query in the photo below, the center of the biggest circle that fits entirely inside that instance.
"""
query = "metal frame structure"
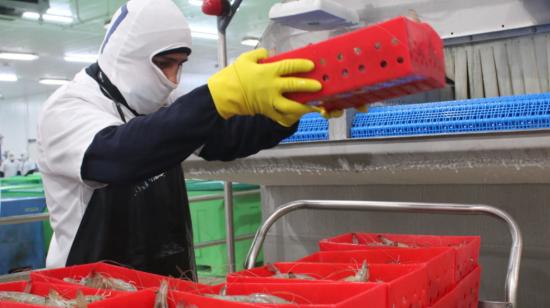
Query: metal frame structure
(512, 275)
(223, 23)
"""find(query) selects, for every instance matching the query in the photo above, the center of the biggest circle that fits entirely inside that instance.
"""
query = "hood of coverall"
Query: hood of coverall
(139, 30)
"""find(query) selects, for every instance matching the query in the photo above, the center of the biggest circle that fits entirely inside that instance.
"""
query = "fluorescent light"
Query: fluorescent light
(250, 41)
(52, 15)
(59, 12)
(18, 56)
(31, 15)
(204, 35)
(57, 19)
(8, 77)
(53, 82)
(196, 2)
(81, 58)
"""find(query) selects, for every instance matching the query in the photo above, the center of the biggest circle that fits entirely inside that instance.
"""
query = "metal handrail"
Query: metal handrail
(19, 219)
(512, 275)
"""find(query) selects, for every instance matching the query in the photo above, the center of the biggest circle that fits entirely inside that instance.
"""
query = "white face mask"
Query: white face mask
(140, 30)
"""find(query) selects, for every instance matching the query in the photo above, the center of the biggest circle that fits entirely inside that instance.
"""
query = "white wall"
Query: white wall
(18, 117)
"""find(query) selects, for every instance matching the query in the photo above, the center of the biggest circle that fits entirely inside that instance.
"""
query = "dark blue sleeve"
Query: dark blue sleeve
(244, 136)
(149, 145)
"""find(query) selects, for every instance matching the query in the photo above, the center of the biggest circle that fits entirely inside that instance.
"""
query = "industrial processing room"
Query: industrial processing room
(274, 153)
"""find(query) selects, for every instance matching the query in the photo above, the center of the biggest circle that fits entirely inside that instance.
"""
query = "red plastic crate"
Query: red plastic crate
(389, 59)
(317, 295)
(439, 263)
(464, 295)
(140, 279)
(405, 283)
(466, 248)
(67, 291)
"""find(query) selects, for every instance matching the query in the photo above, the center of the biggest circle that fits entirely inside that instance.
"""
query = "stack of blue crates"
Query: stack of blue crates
(509, 113)
(21, 245)
(312, 127)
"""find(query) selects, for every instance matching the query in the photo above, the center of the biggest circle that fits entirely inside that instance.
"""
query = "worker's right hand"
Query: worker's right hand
(247, 87)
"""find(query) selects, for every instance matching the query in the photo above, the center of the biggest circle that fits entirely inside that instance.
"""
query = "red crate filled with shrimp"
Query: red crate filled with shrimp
(466, 248)
(41, 294)
(106, 276)
(439, 263)
(465, 294)
(318, 295)
(405, 283)
(384, 60)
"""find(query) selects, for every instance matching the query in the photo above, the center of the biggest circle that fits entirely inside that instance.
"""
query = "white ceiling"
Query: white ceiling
(51, 42)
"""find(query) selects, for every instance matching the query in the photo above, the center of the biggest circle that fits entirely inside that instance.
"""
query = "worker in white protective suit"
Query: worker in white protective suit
(9, 166)
(26, 166)
(112, 140)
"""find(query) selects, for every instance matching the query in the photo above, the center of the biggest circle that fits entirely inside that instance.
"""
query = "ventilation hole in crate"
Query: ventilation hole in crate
(345, 72)
(322, 61)
(326, 77)
(377, 45)
(357, 50)
(400, 60)
(340, 56)
(383, 63)
(361, 68)
(394, 41)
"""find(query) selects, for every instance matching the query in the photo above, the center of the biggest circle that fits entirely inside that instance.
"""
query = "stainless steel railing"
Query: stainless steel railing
(512, 275)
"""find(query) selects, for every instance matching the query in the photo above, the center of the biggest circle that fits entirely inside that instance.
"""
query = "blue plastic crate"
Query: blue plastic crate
(520, 112)
(312, 127)
(21, 245)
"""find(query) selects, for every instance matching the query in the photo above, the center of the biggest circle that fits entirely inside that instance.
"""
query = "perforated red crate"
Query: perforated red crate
(439, 263)
(389, 59)
(464, 295)
(66, 291)
(466, 248)
(317, 295)
(405, 283)
(139, 279)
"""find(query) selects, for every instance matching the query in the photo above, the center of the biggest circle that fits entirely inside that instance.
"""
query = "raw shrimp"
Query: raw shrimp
(97, 281)
(251, 298)
(22, 297)
(161, 299)
(290, 275)
(384, 241)
(54, 299)
(362, 275)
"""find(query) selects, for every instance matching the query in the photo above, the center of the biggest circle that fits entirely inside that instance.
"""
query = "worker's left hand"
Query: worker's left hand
(330, 114)
(247, 87)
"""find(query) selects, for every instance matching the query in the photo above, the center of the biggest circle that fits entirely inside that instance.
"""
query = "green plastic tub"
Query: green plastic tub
(209, 224)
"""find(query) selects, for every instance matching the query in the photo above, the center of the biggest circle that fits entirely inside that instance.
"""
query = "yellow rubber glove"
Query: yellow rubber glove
(363, 108)
(247, 87)
(332, 114)
(339, 112)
